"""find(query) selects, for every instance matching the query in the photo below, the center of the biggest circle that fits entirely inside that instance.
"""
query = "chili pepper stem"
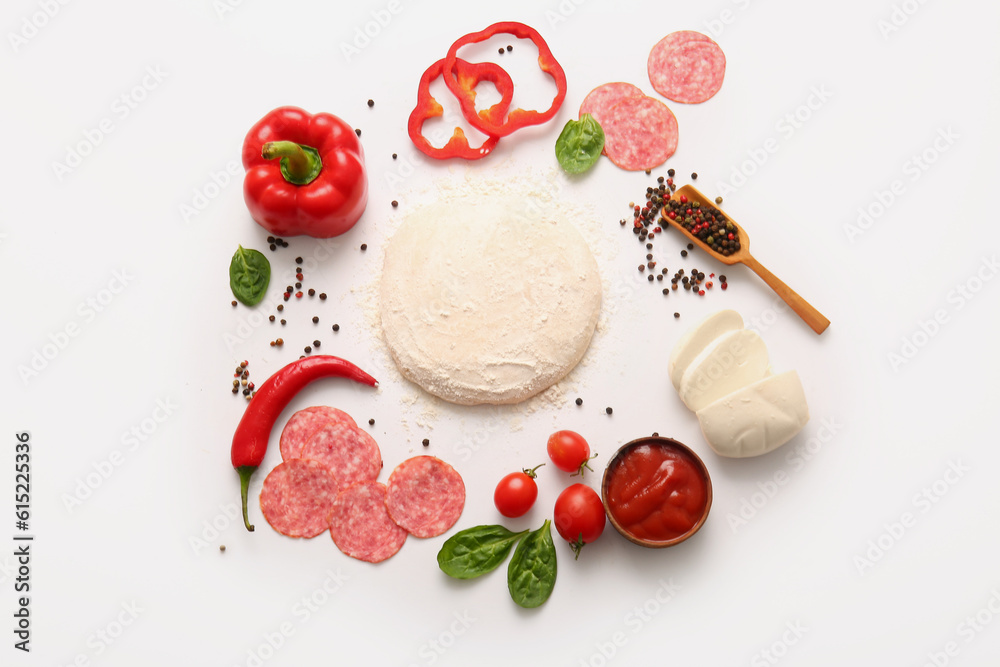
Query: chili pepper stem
(300, 164)
(245, 473)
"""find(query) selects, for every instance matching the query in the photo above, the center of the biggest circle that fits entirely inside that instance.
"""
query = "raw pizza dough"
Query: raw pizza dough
(488, 298)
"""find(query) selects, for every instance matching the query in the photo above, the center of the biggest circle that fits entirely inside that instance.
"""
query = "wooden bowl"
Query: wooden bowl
(672, 445)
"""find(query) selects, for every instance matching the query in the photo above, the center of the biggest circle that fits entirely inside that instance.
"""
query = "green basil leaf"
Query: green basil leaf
(580, 144)
(531, 575)
(476, 551)
(249, 274)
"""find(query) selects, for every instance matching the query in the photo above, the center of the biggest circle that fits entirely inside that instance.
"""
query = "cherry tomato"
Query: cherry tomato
(570, 452)
(516, 493)
(579, 516)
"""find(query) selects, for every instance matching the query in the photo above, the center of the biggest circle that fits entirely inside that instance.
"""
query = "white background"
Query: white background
(126, 567)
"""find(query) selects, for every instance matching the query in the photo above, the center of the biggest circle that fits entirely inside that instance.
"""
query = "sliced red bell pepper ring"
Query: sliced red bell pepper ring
(518, 118)
(466, 76)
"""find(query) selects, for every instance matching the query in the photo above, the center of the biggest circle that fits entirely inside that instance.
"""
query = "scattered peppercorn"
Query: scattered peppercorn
(271, 318)
(298, 260)
(394, 156)
(426, 442)
(364, 246)
(315, 343)
(579, 401)
(509, 48)
(336, 327)
(322, 296)
(395, 203)
(684, 253)
(312, 292)
(234, 303)
(315, 319)
(357, 132)
(222, 548)
(281, 307)
(670, 173)
(718, 200)
(500, 50)
(371, 103)
(308, 349)
(371, 422)
(270, 239)
(694, 176)
(282, 322)
(676, 315)
(608, 410)
(273, 247)
(280, 341)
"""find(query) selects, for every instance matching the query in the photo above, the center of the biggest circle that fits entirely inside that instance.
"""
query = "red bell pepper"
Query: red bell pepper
(518, 118)
(467, 76)
(305, 174)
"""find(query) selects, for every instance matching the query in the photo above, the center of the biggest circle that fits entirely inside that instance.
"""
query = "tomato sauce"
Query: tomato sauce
(655, 491)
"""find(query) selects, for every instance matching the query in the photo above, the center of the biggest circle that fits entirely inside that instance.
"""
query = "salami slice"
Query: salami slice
(603, 98)
(688, 71)
(350, 453)
(303, 425)
(297, 496)
(361, 526)
(425, 496)
(679, 37)
(640, 133)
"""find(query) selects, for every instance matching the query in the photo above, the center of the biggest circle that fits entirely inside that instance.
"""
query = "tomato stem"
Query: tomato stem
(531, 472)
(585, 465)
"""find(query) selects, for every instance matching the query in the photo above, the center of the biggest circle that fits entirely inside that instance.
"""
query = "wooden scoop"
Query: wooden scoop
(803, 308)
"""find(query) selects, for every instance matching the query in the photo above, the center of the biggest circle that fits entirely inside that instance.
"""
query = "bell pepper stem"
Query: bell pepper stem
(245, 473)
(300, 164)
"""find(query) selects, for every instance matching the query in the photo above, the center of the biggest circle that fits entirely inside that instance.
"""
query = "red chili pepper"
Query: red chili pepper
(254, 430)
(305, 174)
(467, 77)
(517, 118)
